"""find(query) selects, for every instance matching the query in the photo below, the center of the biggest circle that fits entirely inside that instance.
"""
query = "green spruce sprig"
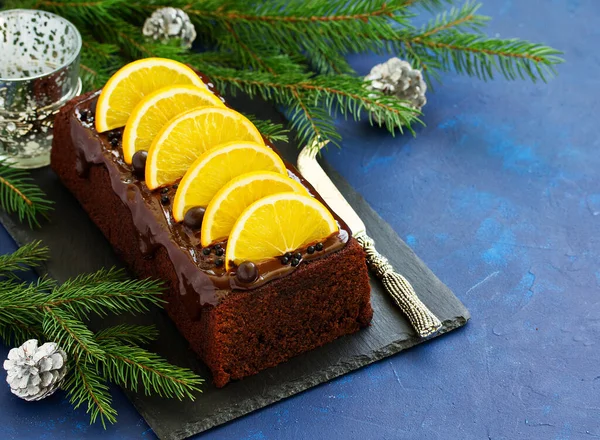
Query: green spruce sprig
(292, 52)
(51, 312)
(30, 255)
(20, 195)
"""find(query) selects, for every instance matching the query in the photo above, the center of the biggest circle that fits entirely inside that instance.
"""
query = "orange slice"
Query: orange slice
(126, 88)
(277, 224)
(216, 167)
(153, 112)
(190, 134)
(239, 193)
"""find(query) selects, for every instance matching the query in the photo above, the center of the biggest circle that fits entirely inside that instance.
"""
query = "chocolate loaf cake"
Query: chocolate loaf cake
(237, 329)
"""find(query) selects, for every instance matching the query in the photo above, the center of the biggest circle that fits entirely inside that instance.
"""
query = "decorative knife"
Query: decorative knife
(398, 287)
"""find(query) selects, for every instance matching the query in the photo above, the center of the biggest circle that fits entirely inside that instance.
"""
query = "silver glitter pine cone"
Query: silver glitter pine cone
(35, 373)
(169, 23)
(397, 77)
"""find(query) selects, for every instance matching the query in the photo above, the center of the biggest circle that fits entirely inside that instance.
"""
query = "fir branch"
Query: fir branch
(18, 322)
(22, 301)
(323, 32)
(329, 62)
(19, 4)
(311, 122)
(131, 366)
(85, 386)
(18, 194)
(248, 55)
(479, 56)
(428, 5)
(104, 291)
(316, 12)
(304, 95)
(273, 132)
(71, 334)
(18, 332)
(348, 95)
(98, 60)
(463, 18)
(27, 256)
(128, 334)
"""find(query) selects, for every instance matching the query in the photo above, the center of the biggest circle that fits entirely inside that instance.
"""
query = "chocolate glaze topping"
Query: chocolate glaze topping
(201, 282)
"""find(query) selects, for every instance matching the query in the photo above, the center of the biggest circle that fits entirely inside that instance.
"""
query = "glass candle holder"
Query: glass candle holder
(39, 73)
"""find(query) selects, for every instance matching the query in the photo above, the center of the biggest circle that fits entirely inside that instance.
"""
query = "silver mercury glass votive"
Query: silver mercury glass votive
(39, 73)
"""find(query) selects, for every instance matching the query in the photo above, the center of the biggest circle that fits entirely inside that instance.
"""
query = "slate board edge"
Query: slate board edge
(300, 385)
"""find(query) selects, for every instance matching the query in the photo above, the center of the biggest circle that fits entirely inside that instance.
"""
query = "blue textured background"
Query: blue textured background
(500, 196)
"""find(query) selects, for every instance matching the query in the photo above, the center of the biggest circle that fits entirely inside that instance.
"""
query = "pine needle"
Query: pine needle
(28, 256)
(128, 334)
(103, 292)
(71, 334)
(85, 386)
(271, 131)
(131, 366)
(18, 194)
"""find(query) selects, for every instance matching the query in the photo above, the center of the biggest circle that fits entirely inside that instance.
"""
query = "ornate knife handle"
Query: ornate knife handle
(421, 318)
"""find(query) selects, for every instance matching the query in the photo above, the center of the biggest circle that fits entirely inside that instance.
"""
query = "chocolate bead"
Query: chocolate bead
(295, 262)
(219, 262)
(247, 272)
(164, 190)
(206, 251)
(218, 246)
(219, 252)
(138, 161)
(114, 142)
(288, 255)
(310, 250)
(298, 256)
(319, 246)
(164, 200)
(176, 186)
(84, 115)
(285, 260)
(193, 218)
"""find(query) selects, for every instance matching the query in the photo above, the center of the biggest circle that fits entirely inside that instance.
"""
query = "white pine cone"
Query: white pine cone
(35, 372)
(168, 23)
(397, 77)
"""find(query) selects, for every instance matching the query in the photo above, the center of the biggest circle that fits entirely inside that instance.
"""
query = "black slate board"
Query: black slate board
(77, 246)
